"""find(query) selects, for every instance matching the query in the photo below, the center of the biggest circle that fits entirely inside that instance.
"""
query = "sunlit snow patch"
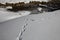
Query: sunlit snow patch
(9, 7)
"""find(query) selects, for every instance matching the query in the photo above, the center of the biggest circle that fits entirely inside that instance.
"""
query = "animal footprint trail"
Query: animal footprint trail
(23, 30)
(20, 37)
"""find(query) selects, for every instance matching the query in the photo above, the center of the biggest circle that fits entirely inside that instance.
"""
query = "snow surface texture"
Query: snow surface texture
(7, 15)
(45, 26)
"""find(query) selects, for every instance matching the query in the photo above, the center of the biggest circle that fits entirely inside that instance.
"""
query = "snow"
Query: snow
(9, 7)
(42, 26)
(45, 26)
(7, 15)
(39, 9)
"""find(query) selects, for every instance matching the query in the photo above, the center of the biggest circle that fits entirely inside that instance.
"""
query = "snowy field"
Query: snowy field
(42, 26)
(8, 15)
(45, 26)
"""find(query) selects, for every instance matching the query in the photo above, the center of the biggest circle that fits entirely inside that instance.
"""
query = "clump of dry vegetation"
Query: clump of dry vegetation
(54, 4)
(32, 4)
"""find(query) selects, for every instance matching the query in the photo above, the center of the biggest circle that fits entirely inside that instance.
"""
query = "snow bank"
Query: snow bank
(7, 15)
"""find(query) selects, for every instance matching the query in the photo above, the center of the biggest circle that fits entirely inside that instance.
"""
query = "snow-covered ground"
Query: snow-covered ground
(42, 26)
(11, 23)
(45, 26)
(7, 15)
